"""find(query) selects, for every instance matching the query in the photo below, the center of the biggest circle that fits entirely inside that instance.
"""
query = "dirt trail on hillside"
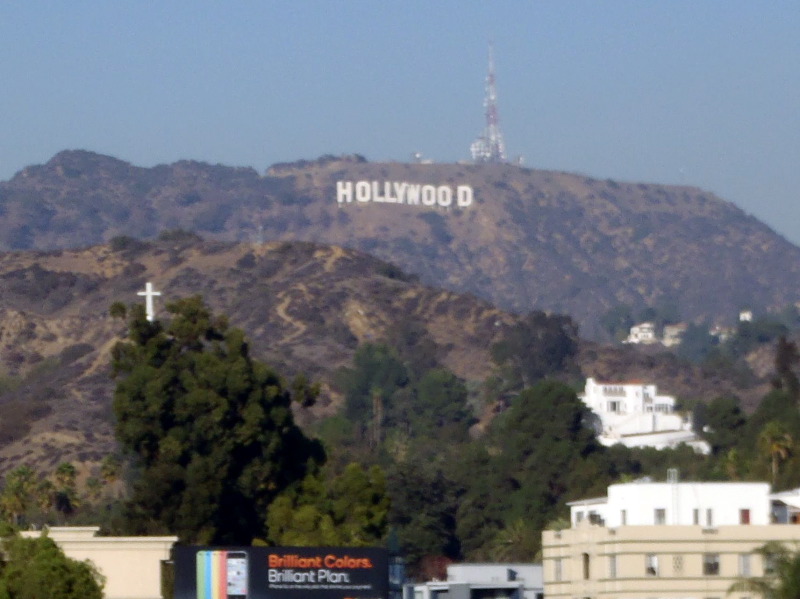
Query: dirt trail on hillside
(281, 310)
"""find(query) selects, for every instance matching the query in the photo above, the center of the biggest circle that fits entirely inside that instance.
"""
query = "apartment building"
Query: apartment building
(670, 540)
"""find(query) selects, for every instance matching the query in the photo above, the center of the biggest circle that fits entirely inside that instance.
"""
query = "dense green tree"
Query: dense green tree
(377, 375)
(301, 517)
(211, 429)
(440, 405)
(360, 505)
(542, 437)
(37, 568)
(423, 511)
(540, 451)
(725, 421)
(539, 346)
(350, 510)
(483, 490)
(784, 580)
(787, 359)
(777, 405)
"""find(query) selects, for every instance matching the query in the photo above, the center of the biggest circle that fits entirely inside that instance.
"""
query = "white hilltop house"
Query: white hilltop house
(644, 333)
(634, 415)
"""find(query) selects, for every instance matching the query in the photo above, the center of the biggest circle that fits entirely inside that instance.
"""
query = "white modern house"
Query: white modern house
(670, 540)
(482, 581)
(647, 503)
(635, 415)
(644, 333)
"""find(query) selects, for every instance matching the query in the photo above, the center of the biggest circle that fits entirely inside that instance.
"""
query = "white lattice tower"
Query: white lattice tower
(490, 147)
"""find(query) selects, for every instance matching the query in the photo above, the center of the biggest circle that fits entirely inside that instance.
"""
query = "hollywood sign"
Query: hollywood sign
(412, 194)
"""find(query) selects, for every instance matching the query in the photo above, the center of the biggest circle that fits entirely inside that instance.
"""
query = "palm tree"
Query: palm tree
(782, 582)
(45, 498)
(18, 492)
(517, 542)
(776, 443)
(66, 496)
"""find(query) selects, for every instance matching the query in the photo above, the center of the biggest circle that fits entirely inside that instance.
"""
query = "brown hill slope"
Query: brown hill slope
(305, 308)
(531, 239)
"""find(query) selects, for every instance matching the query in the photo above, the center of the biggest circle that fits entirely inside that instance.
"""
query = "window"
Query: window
(624, 517)
(614, 406)
(711, 564)
(769, 564)
(557, 569)
(696, 517)
(651, 564)
(677, 564)
(661, 516)
(709, 517)
(744, 564)
(586, 566)
(612, 566)
(579, 517)
(744, 516)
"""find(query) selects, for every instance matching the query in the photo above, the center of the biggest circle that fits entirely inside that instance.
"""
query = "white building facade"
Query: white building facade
(677, 504)
(635, 415)
(672, 540)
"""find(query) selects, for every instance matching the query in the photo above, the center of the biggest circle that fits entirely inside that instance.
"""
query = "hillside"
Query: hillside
(305, 308)
(529, 239)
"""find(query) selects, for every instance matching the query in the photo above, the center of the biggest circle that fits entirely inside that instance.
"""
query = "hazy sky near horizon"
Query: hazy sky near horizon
(691, 92)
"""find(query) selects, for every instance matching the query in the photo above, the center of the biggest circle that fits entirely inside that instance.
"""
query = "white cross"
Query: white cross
(149, 294)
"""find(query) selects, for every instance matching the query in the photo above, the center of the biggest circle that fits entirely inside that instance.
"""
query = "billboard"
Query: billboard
(281, 573)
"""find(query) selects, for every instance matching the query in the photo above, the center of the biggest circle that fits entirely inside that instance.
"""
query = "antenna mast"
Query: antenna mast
(490, 147)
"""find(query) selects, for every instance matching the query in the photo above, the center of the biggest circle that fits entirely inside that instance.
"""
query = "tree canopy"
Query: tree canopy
(36, 568)
(211, 429)
(783, 582)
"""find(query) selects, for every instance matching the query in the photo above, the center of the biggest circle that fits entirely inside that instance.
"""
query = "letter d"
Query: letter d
(464, 196)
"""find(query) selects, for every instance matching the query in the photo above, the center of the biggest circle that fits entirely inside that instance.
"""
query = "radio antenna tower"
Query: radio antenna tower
(490, 147)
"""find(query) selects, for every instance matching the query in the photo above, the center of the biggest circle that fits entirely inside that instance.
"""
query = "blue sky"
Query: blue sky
(694, 92)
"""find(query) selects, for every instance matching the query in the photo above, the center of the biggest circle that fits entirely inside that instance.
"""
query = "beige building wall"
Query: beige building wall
(649, 562)
(131, 565)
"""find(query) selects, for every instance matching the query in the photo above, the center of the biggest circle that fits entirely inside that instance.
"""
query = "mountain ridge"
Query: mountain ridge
(531, 239)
